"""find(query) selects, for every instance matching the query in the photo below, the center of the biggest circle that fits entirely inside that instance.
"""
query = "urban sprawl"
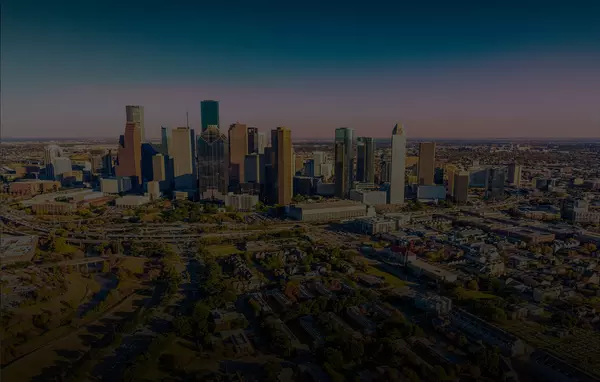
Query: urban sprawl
(229, 254)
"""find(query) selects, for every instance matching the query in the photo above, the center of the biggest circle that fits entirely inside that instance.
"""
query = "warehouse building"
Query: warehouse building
(338, 210)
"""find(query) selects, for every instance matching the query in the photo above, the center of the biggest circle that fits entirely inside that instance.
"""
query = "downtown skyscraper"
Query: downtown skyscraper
(281, 141)
(209, 114)
(130, 153)
(238, 149)
(344, 136)
(213, 162)
(181, 152)
(135, 114)
(398, 165)
(426, 163)
(365, 160)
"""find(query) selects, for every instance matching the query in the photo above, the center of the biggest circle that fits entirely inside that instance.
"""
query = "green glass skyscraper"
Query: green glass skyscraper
(209, 113)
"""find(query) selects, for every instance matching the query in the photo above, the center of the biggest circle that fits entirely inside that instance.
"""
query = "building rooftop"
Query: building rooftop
(334, 204)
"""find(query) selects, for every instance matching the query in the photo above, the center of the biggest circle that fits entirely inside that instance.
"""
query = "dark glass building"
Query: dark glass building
(148, 151)
(365, 160)
(209, 113)
(213, 162)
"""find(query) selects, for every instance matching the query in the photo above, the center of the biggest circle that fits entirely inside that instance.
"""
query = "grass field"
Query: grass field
(59, 353)
(389, 278)
(223, 250)
(467, 294)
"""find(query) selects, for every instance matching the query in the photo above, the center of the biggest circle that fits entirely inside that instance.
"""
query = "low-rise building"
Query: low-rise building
(434, 272)
(308, 324)
(338, 210)
(375, 225)
(433, 303)
(370, 197)
(542, 293)
(29, 187)
(115, 185)
(238, 342)
(366, 325)
(131, 201)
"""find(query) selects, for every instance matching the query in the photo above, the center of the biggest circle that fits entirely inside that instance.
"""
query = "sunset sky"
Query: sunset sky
(446, 70)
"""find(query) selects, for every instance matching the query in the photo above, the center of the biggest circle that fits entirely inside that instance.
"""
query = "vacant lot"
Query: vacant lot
(389, 278)
(223, 250)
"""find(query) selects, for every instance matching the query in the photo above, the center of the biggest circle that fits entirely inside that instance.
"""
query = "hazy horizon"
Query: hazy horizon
(456, 72)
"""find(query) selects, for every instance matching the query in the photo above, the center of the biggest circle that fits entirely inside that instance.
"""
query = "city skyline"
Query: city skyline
(454, 72)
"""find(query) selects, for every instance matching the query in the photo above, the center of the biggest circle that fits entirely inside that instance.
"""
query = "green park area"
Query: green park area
(389, 278)
(223, 250)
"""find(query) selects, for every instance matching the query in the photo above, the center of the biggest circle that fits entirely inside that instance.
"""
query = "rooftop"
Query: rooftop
(334, 204)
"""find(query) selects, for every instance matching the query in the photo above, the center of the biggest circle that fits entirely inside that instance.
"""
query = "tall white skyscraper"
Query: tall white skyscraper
(514, 174)
(50, 153)
(183, 166)
(61, 165)
(398, 165)
(319, 158)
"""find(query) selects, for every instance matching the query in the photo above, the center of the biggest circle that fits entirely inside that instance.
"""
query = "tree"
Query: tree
(334, 357)
(272, 370)
(472, 285)
(42, 320)
(440, 373)
(183, 326)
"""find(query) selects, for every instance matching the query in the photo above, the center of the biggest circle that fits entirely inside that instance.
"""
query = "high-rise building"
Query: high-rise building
(50, 153)
(449, 173)
(165, 140)
(135, 114)
(319, 159)
(108, 164)
(298, 163)
(213, 162)
(181, 152)
(514, 174)
(385, 169)
(398, 167)
(461, 187)
(495, 183)
(254, 168)
(158, 168)
(345, 136)
(154, 190)
(209, 114)
(130, 153)
(281, 140)
(61, 165)
(262, 142)
(309, 167)
(326, 170)
(268, 191)
(341, 170)
(148, 152)
(365, 160)
(252, 140)
(426, 163)
(238, 148)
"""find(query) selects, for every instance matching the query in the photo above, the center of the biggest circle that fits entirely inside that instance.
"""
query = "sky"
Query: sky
(444, 69)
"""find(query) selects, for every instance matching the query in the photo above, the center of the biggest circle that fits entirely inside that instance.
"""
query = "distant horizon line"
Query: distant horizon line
(314, 139)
